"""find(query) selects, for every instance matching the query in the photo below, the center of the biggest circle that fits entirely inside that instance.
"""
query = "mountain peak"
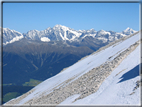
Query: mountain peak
(128, 31)
(6, 29)
(48, 28)
(101, 31)
(91, 29)
(59, 26)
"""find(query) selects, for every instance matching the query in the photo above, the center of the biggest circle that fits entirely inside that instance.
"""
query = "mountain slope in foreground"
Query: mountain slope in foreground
(108, 76)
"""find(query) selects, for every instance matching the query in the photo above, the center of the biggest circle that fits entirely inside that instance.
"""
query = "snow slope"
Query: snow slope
(118, 86)
(115, 88)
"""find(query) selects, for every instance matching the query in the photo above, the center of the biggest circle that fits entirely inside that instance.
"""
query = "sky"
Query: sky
(117, 17)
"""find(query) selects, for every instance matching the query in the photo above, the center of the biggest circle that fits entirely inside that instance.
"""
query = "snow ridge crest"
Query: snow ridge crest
(63, 33)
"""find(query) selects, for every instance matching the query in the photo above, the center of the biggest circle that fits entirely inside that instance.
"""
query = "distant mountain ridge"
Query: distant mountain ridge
(63, 33)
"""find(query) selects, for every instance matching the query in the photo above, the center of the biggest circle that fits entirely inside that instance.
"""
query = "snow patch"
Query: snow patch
(61, 36)
(17, 38)
(45, 39)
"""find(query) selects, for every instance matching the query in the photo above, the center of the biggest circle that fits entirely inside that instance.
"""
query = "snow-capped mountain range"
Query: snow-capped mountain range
(109, 76)
(10, 36)
(63, 33)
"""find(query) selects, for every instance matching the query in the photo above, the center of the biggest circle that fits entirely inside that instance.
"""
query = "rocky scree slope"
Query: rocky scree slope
(83, 78)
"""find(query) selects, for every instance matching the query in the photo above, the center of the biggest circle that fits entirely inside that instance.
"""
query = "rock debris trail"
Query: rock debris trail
(85, 85)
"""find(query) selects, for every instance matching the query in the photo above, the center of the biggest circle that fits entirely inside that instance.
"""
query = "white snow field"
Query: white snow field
(117, 87)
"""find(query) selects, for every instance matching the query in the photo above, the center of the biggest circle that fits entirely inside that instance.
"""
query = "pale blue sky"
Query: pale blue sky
(23, 17)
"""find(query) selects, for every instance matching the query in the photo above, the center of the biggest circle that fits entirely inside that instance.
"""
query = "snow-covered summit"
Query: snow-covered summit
(102, 33)
(60, 26)
(57, 33)
(10, 36)
(128, 31)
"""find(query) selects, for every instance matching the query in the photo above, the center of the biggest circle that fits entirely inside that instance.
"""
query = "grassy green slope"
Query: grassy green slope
(32, 82)
(10, 95)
